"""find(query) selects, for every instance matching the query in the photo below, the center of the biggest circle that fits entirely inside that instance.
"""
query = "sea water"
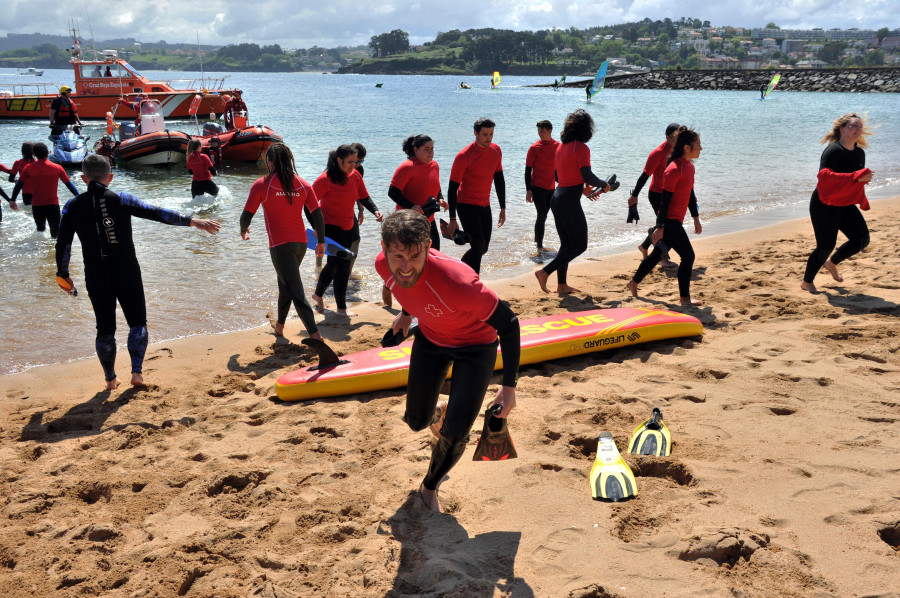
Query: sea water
(758, 166)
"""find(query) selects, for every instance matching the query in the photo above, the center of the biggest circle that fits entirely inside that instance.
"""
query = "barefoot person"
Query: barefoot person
(339, 189)
(459, 322)
(102, 221)
(415, 181)
(654, 170)
(474, 169)
(832, 208)
(540, 177)
(573, 169)
(43, 177)
(677, 198)
(283, 196)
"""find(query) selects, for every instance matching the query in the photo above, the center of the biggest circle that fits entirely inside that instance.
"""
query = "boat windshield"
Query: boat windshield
(132, 69)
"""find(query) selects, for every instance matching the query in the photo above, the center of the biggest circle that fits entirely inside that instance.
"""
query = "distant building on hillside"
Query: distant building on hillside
(792, 45)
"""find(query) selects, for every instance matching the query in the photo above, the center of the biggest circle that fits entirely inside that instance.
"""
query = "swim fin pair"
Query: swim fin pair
(495, 443)
(460, 237)
(652, 437)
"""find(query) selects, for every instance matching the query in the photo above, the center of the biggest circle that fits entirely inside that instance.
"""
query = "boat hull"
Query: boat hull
(248, 144)
(153, 149)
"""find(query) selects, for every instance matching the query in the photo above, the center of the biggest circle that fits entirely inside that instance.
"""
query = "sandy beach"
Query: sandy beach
(784, 478)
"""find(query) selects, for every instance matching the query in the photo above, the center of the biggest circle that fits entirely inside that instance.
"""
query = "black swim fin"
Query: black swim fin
(652, 437)
(613, 183)
(327, 357)
(460, 237)
(392, 339)
(633, 215)
(495, 443)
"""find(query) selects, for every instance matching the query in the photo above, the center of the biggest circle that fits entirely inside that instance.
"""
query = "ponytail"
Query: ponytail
(686, 136)
(283, 167)
(414, 142)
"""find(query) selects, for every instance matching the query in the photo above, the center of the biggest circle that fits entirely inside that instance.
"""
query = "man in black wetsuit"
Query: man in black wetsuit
(102, 221)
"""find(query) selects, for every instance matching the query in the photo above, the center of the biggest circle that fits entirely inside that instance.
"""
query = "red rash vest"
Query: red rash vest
(570, 159)
(417, 181)
(474, 168)
(449, 300)
(679, 179)
(656, 166)
(284, 221)
(339, 201)
(541, 157)
(44, 177)
(199, 165)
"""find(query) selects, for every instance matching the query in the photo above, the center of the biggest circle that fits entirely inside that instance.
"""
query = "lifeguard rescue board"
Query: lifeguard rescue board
(542, 339)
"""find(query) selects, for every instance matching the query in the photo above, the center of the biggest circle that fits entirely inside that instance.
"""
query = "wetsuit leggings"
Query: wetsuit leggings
(128, 290)
(827, 221)
(337, 269)
(655, 202)
(476, 221)
(541, 198)
(572, 228)
(428, 366)
(201, 187)
(44, 215)
(676, 238)
(435, 236)
(286, 258)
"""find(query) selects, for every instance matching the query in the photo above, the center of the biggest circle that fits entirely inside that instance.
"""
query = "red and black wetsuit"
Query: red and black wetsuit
(233, 107)
(44, 177)
(459, 321)
(832, 207)
(540, 179)
(474, 169)
(413, 183)
(65, 113)
(202, 169)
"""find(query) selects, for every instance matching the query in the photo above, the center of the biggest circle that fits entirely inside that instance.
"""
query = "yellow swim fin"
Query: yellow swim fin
(611, 478)
(651, 437)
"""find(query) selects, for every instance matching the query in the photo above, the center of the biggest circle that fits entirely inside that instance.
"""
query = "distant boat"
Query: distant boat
(379, 84)
(31, 71)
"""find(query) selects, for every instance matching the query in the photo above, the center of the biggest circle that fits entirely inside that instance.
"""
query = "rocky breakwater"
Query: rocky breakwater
(852, 80)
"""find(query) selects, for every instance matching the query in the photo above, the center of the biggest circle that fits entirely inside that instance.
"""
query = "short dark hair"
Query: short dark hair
(406, 228)
(545, 124)
(95, 168)
(484, 123)
(672, 128)
(360, 150)
(579, 126)
(41, 151)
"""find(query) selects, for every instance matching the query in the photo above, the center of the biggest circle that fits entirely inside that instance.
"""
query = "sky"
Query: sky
(330, 23)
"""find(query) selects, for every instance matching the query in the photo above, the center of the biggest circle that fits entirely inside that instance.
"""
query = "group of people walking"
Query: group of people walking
(460, 320)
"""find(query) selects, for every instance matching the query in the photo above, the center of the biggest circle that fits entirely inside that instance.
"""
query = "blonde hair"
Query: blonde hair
(835, 133)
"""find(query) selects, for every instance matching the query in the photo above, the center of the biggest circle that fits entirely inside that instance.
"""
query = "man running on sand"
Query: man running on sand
(459, 321)
(102, 221)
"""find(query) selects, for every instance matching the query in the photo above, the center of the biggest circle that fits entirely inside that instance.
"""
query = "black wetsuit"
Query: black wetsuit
(675, 238)
(102, 221)
(541, 198)
(828, 220)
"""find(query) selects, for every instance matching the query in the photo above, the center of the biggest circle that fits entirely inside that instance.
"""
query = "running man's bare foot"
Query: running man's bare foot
(832, 268)
(112, 384)
(633, 287)
(437, 422)
(137, 380)
(667, 264)
(345, 312)
(542, 278)
(430, 498)
(317, 336)
(690, 301)
(564, 289)
(386, 296)
(643, 252)
(319, 303)
(278, 327)
(808, 286)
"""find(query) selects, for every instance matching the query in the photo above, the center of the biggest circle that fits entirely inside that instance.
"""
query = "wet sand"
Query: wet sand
(783, 478)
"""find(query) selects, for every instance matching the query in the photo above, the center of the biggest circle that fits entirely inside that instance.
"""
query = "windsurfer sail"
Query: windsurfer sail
(495, 81)
(600, 79)
(772, 84)
(561, 81)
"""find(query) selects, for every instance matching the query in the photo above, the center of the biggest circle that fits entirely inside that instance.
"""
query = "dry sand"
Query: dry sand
(784, 478)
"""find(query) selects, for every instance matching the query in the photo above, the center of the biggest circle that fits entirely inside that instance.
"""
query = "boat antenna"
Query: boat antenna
(200, 53)
(90, 27)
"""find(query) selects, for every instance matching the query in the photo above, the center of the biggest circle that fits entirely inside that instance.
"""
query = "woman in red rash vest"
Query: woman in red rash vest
(678, 197)
(338, 190)
(283, 195)
(842, 179)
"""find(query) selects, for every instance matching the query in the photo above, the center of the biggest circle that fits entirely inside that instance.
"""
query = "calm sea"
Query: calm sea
(758, 166)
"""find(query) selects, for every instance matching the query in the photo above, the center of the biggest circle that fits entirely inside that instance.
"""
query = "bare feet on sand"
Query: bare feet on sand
(112, 384)
(690, 301)
(438, 421)
(564, 289)
(832, 268)
(137, 380)
(277, 327)
(430, 498)
(667, 264)
(542, 279)
(386, 296)
(632, 286)
(318, 303)
(643, 252)
(345, 312)
(808, 286)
